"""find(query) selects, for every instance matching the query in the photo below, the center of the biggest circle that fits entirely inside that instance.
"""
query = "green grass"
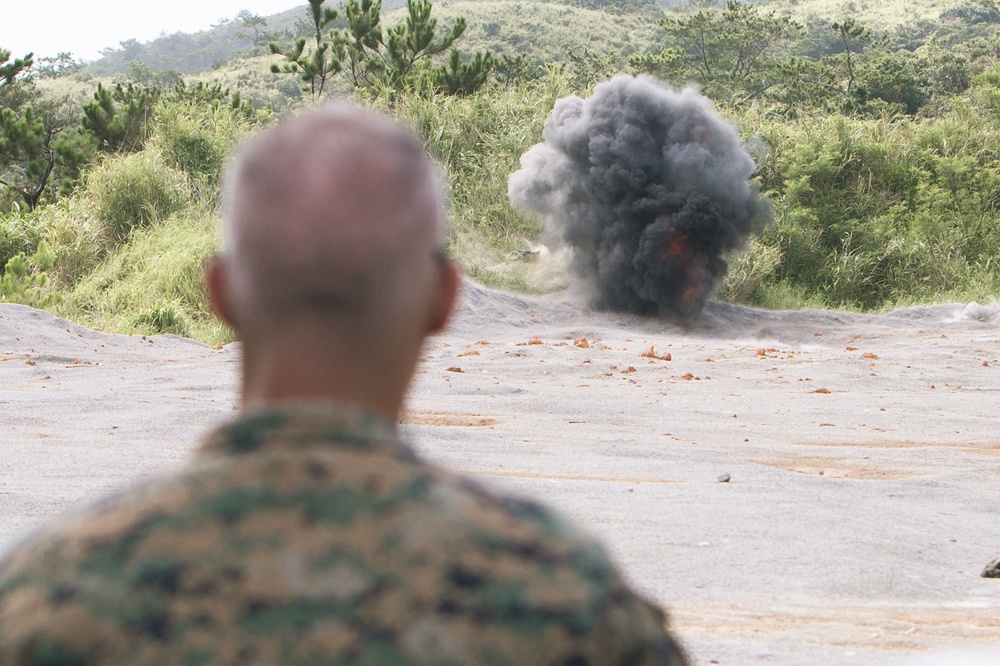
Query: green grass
(545, 32)
(135, 191)
(478, 141)
(152, 284)
(18, 233)
(252, 77)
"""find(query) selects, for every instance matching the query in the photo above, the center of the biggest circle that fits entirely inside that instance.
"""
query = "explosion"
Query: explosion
(650, 187)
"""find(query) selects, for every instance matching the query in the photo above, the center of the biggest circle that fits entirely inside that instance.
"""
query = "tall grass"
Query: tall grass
(19, 233)
(77, 238)
(749, 271)
(196, 138)
(478, 141)
(64, 231)
(153, 283)
(135, 191)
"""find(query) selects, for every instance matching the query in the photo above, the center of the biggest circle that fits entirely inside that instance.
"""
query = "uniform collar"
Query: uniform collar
(289, 426)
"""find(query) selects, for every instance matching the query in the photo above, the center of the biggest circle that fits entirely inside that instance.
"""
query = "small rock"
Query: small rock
(992, 569)
(724, 478)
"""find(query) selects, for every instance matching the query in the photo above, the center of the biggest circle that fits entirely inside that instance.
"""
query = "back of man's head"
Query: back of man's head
(334, 216)
(331, 270)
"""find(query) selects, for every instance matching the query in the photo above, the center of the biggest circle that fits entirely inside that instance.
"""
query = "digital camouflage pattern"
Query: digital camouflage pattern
(312, 535)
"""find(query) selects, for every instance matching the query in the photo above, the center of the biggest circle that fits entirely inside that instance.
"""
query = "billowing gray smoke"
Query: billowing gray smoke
(650, 188)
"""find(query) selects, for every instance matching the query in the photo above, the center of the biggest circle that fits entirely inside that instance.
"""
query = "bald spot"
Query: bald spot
(334, 215)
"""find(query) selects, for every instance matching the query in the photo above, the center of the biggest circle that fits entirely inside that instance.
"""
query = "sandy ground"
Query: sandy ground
(863, 454)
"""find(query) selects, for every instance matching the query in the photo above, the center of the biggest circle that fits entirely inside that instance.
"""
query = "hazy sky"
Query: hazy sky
(84, 27)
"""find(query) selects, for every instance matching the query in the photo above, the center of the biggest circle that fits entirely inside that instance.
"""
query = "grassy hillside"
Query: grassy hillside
(542, 30)
(190, 53)
(885, 14)
(876, 204)
(545, 32)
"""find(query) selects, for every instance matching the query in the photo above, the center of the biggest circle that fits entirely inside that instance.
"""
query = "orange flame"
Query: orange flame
(677, 247)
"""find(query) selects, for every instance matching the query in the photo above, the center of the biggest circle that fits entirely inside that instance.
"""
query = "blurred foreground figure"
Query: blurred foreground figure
(306, 532)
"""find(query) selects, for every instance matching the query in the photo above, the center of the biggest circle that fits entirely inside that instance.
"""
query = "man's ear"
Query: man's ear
(218, 290)
(449, 280)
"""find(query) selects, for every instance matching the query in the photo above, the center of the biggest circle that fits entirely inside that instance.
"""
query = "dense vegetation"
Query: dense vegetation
(878, 142)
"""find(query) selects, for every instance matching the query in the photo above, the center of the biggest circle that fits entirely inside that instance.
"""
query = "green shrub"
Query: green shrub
(167, 318)
(195, 138)
(478, 140)
(76, 237)
(153, 283)
(24, 279)
(748, 272)
(871, 212)
(189, 147)
(134, 191)
(18, 234)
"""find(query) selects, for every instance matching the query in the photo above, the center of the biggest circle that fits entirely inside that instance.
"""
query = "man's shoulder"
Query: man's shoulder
(318, 486)
(255, 547)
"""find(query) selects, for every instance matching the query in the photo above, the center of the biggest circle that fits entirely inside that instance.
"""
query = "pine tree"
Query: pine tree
(9, 71)
(119, 119)
(464, 78)
(730, 53)
(392, 60)
(38, 139)
(316, 66)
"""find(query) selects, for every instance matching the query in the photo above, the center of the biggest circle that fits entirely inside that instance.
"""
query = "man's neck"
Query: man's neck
(319, 373)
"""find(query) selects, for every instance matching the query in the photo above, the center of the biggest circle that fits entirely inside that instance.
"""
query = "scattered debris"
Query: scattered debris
(651, 353)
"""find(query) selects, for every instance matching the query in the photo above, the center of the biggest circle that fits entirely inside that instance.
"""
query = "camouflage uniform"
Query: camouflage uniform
(312, 535)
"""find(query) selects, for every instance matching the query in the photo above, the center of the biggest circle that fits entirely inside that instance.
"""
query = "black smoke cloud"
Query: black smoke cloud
(651, 189)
